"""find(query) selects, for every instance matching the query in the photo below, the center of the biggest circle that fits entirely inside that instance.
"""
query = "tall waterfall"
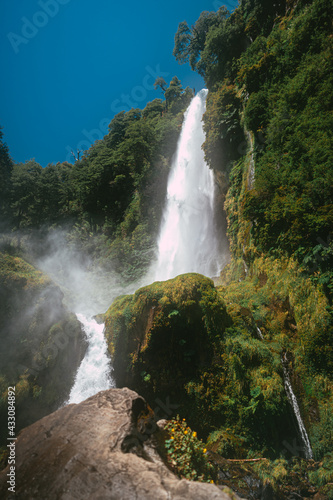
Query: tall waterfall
(188, 239)
(93, 374)
(293, 401)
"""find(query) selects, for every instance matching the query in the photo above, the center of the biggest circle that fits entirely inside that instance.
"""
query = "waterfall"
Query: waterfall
(293, 401)
(188, 239)
(93, 374)
(260, 335)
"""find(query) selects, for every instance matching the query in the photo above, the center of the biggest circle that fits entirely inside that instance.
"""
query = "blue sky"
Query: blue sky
(68, 66)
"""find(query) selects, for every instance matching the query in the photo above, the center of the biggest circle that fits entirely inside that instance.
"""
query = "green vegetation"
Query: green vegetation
(186, 453)
(15, 271)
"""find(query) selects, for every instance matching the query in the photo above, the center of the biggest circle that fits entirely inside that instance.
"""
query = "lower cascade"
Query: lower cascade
(188, 240)
(93, 374)
(293, 401)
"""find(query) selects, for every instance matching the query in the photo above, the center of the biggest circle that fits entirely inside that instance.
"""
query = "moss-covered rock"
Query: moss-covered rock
(163, 335)
(41, 343)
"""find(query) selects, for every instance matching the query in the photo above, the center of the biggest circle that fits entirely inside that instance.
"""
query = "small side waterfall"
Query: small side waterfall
(188, 240)
(293, 401)
(93, 374)
(260, 335)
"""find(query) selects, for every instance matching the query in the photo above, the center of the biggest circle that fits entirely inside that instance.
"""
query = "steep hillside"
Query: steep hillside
(41, 343)
(268, 127)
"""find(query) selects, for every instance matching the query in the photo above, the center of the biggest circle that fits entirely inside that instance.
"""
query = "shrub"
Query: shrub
(255, 115)
(324, 474)
(186, 453)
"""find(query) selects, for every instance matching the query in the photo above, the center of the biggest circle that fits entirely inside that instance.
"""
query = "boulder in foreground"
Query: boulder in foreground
(102, 448)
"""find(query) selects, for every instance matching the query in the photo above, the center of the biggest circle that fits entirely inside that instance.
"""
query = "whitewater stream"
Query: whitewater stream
(94, 373)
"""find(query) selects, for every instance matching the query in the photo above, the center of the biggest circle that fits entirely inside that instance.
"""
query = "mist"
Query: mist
(89, 288)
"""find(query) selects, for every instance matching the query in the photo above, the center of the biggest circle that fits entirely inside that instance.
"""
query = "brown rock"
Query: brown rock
(95, 450)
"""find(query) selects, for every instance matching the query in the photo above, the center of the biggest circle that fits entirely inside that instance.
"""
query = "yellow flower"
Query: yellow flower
(183, 419)
(204, 450)
(171, 437)
(185, 432)
(194, 434)
(172, 430)
(212, 481)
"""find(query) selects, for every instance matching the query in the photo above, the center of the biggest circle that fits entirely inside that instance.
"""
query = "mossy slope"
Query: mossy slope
(163, 335)
(41, 342)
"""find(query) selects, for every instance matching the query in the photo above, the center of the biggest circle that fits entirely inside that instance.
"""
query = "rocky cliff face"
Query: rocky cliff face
(41, 342)
(102, 448)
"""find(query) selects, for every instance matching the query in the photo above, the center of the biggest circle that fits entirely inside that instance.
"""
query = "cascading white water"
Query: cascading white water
(293, 401)
(93, 374)
(188, 240)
